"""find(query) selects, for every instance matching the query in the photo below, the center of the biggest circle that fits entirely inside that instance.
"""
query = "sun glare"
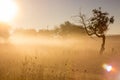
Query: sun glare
(108, 68)
(8, 10)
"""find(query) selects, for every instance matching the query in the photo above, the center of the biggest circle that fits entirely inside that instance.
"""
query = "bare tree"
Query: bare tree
(97, 25)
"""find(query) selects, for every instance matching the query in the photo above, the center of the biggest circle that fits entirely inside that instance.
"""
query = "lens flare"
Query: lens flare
(107, 67)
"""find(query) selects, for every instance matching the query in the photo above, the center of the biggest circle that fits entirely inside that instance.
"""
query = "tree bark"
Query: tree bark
(103, 44)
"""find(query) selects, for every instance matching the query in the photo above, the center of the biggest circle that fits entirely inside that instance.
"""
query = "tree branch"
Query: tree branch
(98, 35)
(83, 22)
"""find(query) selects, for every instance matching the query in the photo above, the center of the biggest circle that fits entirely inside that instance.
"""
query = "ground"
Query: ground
(60, 59)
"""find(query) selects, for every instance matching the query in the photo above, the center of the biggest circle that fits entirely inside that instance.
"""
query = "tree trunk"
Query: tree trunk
(103, 44)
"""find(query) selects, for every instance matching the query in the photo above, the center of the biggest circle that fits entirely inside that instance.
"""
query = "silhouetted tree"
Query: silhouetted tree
(97, 25)
(4, 31)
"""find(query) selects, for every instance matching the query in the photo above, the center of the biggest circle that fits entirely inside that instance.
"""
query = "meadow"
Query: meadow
(59, 59)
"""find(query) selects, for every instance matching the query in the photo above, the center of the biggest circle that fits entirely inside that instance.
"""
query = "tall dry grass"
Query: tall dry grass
(57, 59)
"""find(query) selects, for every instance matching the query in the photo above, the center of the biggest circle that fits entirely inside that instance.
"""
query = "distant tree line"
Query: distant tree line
(66, 29)
(4, 30)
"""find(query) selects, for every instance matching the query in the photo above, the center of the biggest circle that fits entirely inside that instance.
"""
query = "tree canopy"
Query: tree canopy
(69, 29)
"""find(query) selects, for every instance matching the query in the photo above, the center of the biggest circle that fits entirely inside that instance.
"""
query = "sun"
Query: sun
(8, 10)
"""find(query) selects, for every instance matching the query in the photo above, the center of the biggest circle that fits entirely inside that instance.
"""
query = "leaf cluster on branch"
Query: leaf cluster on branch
(98, 23)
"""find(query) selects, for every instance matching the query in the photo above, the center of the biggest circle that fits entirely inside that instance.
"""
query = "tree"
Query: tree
(69, 29)
(4, 30)
(97, 25)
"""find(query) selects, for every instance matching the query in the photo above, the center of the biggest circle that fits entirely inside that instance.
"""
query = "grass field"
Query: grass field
(59, 59)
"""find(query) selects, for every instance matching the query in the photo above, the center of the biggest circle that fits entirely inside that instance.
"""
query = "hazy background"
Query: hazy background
(43, 13)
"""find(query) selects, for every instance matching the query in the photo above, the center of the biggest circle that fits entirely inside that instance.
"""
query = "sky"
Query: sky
(42, 13)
